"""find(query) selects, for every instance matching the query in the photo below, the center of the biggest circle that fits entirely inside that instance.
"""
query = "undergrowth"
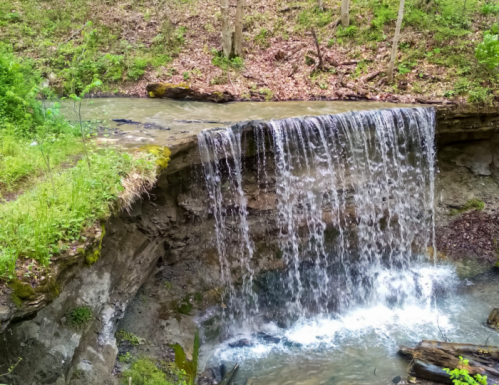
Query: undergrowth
(40, 224)
(75, 40)
(146, 371)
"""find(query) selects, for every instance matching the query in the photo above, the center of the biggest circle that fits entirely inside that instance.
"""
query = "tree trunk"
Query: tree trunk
(396, 41)
(238, 36)
(345, 13)
(226, 35)
(321, 5)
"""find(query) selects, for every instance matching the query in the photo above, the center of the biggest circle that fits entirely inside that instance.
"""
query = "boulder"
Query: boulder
(184, 91)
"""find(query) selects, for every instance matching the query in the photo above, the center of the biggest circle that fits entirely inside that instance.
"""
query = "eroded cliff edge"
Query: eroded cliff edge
(164, 250)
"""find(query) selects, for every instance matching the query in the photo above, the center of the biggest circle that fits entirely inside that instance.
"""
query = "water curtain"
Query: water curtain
(353, 206)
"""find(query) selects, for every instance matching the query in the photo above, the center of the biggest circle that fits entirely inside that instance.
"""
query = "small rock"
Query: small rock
(397, 379)
(241, 343)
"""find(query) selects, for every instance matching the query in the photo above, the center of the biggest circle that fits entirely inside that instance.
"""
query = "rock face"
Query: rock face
(159, 263)
(186, 92)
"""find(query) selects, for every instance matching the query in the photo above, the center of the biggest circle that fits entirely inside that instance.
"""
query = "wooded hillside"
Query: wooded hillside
(447, 48)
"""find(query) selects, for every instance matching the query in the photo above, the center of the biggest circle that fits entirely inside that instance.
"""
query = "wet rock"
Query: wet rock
(184, 91)
(244, 342)
(493, 320)
(396, 379)
(268, 338)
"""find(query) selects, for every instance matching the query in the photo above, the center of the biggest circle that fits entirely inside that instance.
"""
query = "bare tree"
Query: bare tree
(345, 13)
(396, 41)
(226, 33)
(238, 35)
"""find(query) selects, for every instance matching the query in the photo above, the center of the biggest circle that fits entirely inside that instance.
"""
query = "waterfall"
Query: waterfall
(354, 206)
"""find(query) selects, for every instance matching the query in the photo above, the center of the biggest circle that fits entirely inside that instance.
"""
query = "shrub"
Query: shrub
(137, 69)
(487, 51)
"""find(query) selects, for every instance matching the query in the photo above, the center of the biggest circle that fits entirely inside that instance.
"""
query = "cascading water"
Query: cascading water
(368, 176)
(354, 219)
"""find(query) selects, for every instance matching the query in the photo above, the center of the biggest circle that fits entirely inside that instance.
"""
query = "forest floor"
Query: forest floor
(130, 43)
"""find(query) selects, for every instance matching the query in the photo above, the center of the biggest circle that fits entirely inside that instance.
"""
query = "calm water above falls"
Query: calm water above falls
(350, 302)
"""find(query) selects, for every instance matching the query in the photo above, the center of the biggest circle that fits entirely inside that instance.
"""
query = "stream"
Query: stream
(344, 306)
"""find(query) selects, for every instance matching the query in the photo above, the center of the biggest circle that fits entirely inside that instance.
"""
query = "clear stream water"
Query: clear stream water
(355, 301)
(173, 113)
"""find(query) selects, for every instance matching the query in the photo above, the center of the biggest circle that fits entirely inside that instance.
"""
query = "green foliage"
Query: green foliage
(262, 38)
(224, 63)
(188, 367)
(123, 335)
(80, 316)
(39, 224)
(472, 204)
(487, 51)
(480, 95)
(462, 376)
(490, 9)
(138, 68)
(144, 371)
(19, 109)
(20, 292)
(185, 306)
(349, 31)
(269, 95)
(125, 358)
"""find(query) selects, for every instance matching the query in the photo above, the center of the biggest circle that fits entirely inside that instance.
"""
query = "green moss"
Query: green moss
(472, 204)
(122, 335)
(93, 256)
(162, 154)
(145, 371)
(20, 292)
(185, 306)
(51, 287)
(160, 90)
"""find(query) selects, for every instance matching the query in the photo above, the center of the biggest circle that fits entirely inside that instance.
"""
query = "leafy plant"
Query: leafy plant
(463, 377)
(125, 358)
(349, 31)
(487, 51)
(262, 38)
(123, 335)
(224, 63)
(490, 9)
(80, 316)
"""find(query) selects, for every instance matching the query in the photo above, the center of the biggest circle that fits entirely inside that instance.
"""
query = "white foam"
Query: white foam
(412, 317)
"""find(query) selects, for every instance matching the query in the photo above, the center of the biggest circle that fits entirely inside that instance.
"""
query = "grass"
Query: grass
(39, 224)
(21, 159)
(61, 195)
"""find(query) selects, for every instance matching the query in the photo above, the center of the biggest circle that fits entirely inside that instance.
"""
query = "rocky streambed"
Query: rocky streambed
(158, 275)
